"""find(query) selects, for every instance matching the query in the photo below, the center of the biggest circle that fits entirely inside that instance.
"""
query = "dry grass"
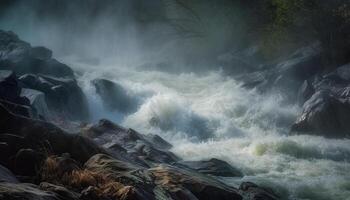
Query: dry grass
(81, 179)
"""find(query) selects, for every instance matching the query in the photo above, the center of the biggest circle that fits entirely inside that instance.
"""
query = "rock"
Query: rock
(7, 176)
(41, 53)
(18, 109)
(327, 107)
(63, 96)
(28, 162)
(61, 192)
(139, 148)
(10, 89)
(305, 92)
(213, 167)
(303, 63)
(24, 191)
(39, 133)
(162, 180)
(114, 96)
(37, 100)
(252, 191)
(325, 114)
(20, 57)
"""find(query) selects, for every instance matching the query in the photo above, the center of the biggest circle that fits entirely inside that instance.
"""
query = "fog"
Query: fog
(129, 32)
(164, 54)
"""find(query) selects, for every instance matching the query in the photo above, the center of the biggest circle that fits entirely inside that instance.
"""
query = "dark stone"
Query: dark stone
(7, 176)
(41, 53)
(214, 167)
(114, 96)
(24, 191)
(10, 89)
(63, 96)
(140, 148)
(18, 56)
(61, 192)
(40, 132)
(162, 180)
(252, 191)
(28, 162)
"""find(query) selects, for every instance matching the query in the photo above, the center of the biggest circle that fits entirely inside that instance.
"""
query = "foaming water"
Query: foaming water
(212, 116)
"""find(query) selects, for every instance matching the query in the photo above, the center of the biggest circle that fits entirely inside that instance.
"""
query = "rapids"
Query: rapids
(211, 116)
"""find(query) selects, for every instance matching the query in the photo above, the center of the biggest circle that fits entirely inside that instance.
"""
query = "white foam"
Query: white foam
(249, 130)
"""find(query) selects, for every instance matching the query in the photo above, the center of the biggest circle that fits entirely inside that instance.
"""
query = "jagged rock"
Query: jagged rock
(61, 192)
(41, 53)
(325, 114)
(18, 109)
(7, 176)
(10, 89)
(18, 56)
(213, 166)
(24, 191)
(328, 107)
(162, 180)
(38, 101)
(252, 191)
(63, 96)
(114, 96)
(140, 148)
(27, 162)
(43, 134)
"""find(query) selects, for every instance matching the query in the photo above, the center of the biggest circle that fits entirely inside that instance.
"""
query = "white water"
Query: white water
(247, 130)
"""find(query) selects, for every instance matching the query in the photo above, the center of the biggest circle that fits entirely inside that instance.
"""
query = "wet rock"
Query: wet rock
(19, 109)
(10, 89)
(7, 176)
(252, 191)
(213, 166)
(327, 109)
(63, 96)
(28, 162)
(114, 96)
(325, 114)
(162, 180)
(61, 192)
(41, 53)
(37, 100)
(20, 57)
(24, 191)
(39, 133)
(139, 148)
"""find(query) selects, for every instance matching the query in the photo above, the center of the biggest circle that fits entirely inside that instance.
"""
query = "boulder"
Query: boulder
(10, 89)
(40, 134)
(18, 56)
(327, 106)
(27, 162)
(213, 166)
(7, 176)
(61, 192)
(162, 181)
(37, 101)
(24, 191)
(114, 96)
(325, 114)
(128, 144)
(63, 96)
(252, 191)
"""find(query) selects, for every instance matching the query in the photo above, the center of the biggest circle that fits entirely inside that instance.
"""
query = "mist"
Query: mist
(256, 84)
